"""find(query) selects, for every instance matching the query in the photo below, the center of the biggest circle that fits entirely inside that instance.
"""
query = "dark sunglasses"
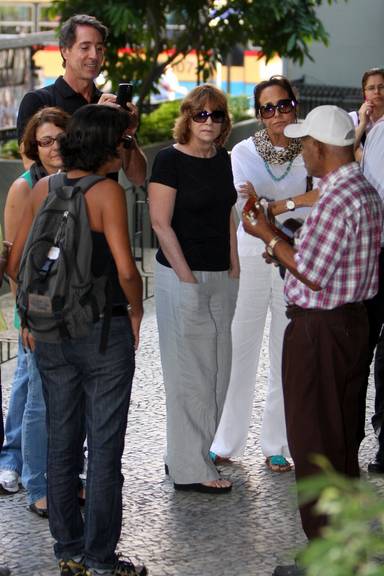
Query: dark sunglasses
(283, 106)
(217, 116)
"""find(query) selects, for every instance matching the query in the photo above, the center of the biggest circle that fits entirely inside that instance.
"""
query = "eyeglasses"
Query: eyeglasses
(48, 141)
(373, 88)
(217, 116)
(283, 106)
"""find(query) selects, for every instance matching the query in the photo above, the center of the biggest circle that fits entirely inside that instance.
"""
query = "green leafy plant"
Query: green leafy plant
(352, 544)
(157, 125)
(239, 107)
(10, 150)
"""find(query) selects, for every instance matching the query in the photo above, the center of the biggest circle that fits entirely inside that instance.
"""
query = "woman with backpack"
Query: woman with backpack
(24, 455)
(83, 380)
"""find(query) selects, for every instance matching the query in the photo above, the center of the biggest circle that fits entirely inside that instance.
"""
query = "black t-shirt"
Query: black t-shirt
(204, 198)
(58, 94)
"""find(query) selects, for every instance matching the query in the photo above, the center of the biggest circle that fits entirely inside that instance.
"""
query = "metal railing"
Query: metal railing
(143, 238)
(8, 349)
(312, 95)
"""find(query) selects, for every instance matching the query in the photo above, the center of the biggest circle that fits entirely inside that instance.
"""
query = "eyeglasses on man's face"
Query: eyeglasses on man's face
(284, 106)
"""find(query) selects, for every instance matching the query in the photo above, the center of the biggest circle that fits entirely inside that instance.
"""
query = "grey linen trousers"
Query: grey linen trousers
(194, 323)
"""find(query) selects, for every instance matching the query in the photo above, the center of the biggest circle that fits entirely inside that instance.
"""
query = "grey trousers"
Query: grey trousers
(194, 322)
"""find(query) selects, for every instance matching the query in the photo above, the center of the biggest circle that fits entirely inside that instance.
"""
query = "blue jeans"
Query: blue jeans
(25, 449)
(81, 384)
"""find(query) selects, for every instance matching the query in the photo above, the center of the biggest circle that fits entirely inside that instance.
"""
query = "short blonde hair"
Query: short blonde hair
(195, 102)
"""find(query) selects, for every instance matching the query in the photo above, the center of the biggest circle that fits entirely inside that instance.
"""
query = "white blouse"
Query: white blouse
(247, 164)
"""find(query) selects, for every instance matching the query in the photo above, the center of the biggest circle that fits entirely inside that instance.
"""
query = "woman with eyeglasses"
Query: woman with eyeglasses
(24, 454)
(272, 165)
(191, 194)
(371, 110)
(370, 113)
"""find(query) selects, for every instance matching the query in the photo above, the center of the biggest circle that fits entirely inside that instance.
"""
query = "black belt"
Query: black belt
(293, 310)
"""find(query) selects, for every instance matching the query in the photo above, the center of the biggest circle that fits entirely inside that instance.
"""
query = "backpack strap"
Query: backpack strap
(57, 184)
(56, 181)
(107, 314)
(88, 181)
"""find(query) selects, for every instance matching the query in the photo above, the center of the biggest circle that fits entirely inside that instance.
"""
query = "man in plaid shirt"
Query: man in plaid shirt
(331, 270)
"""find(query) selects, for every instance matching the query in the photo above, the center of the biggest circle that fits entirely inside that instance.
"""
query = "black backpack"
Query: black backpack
(57, 295)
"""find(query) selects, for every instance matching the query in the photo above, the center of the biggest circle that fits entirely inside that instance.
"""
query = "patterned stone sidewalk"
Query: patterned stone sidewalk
(246, 532)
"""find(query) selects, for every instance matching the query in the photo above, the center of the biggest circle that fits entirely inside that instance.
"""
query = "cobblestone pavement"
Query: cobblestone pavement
(246, 532)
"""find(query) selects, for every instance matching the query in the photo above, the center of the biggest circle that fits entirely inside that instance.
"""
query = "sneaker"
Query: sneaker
(72, 568)
(127, 568)
(9, 481)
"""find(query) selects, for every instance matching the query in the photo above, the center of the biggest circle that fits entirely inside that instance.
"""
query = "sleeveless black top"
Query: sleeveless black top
(102, 261)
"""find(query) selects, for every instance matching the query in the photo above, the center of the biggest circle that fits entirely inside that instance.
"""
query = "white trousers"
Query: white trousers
(261, 287)
(194, 322)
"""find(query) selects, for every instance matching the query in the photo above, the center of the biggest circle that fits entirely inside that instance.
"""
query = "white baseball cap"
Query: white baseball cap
(328, 124)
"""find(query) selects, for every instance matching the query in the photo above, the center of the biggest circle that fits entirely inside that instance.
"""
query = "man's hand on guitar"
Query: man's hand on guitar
(254, 219)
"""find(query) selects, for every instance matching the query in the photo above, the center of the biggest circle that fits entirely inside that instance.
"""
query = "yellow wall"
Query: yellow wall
(253, 71)
(50, 61)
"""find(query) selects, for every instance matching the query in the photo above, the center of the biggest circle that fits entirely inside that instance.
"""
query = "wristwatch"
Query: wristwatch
(270, 247)
(290, 204)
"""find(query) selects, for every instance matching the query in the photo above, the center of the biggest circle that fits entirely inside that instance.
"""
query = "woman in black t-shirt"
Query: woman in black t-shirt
(191, 197)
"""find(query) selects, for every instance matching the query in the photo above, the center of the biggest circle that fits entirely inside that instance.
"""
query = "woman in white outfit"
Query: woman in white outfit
(273, 164)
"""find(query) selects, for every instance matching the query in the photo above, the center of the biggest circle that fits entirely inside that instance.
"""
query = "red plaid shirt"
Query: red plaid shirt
(339, 243)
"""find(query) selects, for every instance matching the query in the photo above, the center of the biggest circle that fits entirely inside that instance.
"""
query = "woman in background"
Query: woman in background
(25, 451)
(371, 110)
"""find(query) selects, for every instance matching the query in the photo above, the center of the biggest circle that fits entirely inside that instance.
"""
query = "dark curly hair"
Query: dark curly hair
(47, 115)
(93, 134)
(277, 80)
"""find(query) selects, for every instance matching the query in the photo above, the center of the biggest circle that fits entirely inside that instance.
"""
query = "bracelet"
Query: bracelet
(271, 245)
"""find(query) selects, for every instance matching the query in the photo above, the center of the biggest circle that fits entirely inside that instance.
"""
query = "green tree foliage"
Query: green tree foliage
(211, 27)
(158, 125)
